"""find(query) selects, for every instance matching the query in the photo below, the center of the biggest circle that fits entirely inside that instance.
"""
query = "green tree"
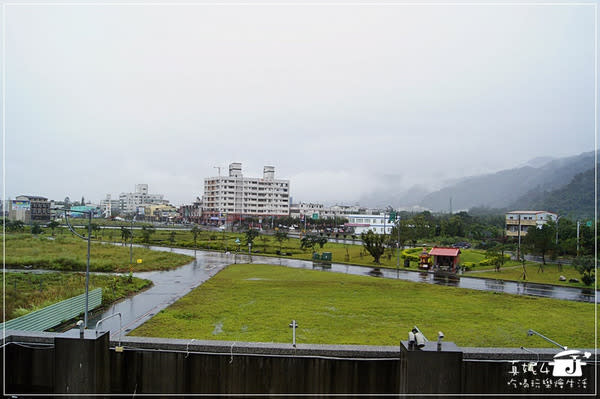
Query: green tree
(53, 224)
(585, 266)
(95, 228)
(15, 225)
(496, 255)
(36, 229)
(195, 231)
(374, 244)
(251, 234)
(172, 237)
(146, 233)
(263, 238)
(126, 234)
(540, 241)
(308, 241)
(280, 236)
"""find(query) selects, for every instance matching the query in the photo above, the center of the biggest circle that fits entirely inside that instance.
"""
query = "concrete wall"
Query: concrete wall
(55, 363)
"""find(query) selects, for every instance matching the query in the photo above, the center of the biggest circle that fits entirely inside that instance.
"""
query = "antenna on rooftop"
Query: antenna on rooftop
(219, 168)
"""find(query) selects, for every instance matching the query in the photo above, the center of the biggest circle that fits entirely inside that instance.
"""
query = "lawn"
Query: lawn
(257, 302)
(67, 253)
(27, 292)
(263, 245)
(550, 275)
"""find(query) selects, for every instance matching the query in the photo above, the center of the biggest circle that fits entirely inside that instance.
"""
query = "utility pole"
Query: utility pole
(557, 219)
(519, 234)
(578, 223)
(398, 228)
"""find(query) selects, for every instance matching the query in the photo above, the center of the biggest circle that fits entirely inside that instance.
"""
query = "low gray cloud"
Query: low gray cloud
(342, 100)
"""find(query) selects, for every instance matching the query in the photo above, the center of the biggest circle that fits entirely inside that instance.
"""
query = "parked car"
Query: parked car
(462, 244)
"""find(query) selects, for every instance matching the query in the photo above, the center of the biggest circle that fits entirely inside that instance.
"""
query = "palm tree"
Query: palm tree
(146, 233)
(125, 234)
(52, 225)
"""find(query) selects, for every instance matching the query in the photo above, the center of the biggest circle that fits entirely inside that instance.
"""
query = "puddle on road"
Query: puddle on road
(218, 328)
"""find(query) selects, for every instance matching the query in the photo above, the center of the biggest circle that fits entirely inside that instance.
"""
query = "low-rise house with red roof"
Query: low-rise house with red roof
(445, 258)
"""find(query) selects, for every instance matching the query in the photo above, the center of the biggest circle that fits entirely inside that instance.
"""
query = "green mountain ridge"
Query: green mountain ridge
(575, 200)
(501, 189)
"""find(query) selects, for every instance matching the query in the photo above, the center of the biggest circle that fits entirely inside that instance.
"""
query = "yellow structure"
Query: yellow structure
(159, 212)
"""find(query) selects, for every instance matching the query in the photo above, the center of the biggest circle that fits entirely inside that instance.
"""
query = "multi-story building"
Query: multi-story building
(307, 209)
(108, 206)
(232, 197)
(523, 220)
(313, 210)
(191, 213)
(29, 209)
(363, 223)
(158, 213)
(129, 202)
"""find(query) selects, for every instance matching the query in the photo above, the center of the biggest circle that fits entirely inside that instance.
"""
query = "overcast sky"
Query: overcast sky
(341, 99)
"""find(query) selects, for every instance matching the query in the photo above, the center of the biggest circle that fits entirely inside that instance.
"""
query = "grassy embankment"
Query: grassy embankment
(27, 292)
(257, 302)
(68, 253)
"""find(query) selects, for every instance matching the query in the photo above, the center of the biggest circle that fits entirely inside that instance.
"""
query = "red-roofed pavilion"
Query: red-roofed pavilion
(445, 258)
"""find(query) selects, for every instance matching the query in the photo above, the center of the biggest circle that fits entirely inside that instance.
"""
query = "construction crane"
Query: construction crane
(219, 168)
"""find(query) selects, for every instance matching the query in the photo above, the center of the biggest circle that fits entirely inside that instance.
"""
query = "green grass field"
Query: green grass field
(27, 292)
(257, 302)
(550, 274)
(67, 253)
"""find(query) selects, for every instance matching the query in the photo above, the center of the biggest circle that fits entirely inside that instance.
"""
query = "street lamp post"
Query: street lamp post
(87, 269)
(578, 238)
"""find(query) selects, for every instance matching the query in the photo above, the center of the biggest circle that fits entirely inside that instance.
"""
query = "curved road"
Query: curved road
(171, 285)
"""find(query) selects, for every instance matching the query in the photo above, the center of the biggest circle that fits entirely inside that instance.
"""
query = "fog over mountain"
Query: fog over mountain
(493, 190)
(500, 189)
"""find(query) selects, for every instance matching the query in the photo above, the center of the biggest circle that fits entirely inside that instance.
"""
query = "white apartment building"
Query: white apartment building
(322, 212)
(229, 198)
(363, 223)
(129, 202)
(524, 220)
(307, 209)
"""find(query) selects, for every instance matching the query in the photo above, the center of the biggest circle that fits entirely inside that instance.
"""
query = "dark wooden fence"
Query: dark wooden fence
(54, 364)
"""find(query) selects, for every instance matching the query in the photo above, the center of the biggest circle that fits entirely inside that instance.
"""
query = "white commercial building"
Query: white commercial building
(321, 211)
(234, 196)
(363, 223)
(130, 202)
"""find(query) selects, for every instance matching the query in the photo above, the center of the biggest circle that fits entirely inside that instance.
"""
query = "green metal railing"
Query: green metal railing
(53, 315)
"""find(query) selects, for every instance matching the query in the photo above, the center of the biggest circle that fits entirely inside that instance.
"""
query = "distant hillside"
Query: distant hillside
(499, 190)
(575, 200)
